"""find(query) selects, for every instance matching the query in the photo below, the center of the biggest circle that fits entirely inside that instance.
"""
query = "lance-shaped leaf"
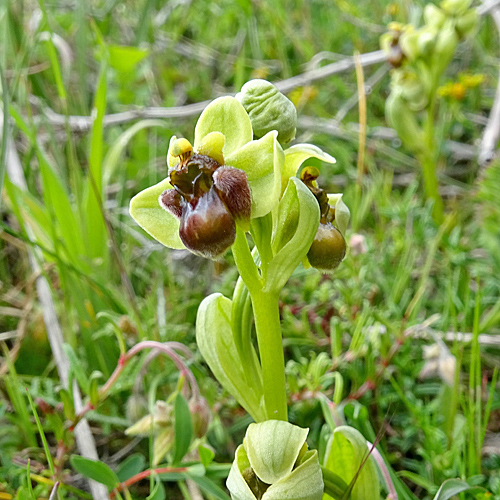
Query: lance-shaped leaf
(227, 116)
(297, 223)
(160, 224)
(345, 453)
(298, 154)
(242, 378)
(262, 161)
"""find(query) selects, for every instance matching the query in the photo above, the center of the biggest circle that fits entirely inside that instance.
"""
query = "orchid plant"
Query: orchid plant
(236, 179)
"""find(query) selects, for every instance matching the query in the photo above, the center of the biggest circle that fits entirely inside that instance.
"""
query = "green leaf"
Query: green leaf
(93, 469)
(57, 199)
(296, 155)
(77, 368)
(450, 488)
(296, 225)
(227, 116)
(183, 428)
(206, 455)
(214, 336)
(125, 58)
(131, 466)
(158, 492)
(114, 154)
(273, 447)
(209, 487)
(160, 224)
(345, 453)
(263, 162)
(96, 233)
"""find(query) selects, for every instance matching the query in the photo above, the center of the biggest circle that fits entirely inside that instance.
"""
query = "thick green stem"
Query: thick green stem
(268, 328)
(272, 360)
(429, 166)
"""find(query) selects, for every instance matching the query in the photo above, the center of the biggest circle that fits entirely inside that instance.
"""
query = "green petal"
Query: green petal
(227, 116)
(236, 483)
(215, 340)
(304, 483)
(296, 155)
(342, 213)
(262, 161)
(160, 224)
(172, 160)
(273, 447)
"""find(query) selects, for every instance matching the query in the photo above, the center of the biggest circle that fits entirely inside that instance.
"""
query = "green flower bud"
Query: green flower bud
(400, 117)
(446, 45)
(273, 464)
(434, 16)
(426, 40)
(409, 44)
(412, 89)
(268, 110)
(455, 7)
(201, 415)
(465, 24)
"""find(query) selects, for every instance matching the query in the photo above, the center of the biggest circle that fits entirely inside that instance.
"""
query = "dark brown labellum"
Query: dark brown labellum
(207, 227)
(328, 248)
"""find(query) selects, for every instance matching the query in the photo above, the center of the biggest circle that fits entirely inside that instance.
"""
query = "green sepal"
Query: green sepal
(160, 224)
(342, 213)
(227, 116)
(262, 161)
(298, 154)
(304, 483)
(296, 225)
(273, 464)
(346, 451)
(400, 117)
(242, 378)
(273, 447)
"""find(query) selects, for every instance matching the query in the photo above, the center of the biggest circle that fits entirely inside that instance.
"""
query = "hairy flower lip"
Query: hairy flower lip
(208, 199)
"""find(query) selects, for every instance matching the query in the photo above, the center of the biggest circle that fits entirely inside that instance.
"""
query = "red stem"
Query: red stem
(145, 474)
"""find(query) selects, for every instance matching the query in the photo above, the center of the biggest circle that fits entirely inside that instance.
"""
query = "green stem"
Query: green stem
(267, 325)
(429, 166)
(272, 359)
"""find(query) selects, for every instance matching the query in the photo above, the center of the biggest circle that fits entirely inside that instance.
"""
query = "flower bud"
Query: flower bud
(446, 45)
(434, 16)
(466, 23)
(455, 7)
(273, 464)
(328, 248)
(268, 110)
(201, 415)
(402, 119)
